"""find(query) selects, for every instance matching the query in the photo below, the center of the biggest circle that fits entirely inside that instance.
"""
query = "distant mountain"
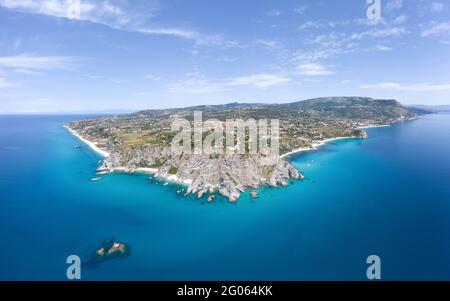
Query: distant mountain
(352, 108)
(431, 109)
(104, 112)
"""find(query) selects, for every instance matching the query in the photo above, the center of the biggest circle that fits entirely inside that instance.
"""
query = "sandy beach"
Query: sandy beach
(154, 172)
(373, 126)
(316, 145)
(92, 145)
(146, 170)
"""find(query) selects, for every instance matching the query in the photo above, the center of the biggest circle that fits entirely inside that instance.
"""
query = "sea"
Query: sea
(388, 195)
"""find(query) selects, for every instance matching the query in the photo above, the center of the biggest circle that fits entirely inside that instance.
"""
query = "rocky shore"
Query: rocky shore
(228, 175)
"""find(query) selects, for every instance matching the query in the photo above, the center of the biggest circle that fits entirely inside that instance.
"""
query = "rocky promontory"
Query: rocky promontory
(142, 141)
(228, 175)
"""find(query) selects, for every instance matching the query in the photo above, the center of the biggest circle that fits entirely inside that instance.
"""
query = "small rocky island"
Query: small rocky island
(142, 141)
(111, 249)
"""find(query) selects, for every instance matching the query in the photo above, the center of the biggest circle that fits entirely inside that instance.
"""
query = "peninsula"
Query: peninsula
(142, 141)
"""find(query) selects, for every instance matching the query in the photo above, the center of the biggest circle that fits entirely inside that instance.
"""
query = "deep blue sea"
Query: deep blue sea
(388, 195)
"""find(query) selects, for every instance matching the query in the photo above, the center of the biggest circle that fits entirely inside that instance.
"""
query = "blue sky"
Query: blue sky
(169, 53)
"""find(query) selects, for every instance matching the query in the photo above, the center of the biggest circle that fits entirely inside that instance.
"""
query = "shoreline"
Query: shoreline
(175, 179)
(316, 145)
(144, 170)
(91, 144)
(151, 171)
(373, 126)
(320, 143)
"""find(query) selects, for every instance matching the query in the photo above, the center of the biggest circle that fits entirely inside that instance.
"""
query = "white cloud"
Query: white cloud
(369, 22)
(383, 48)
(329, 44)
(273, 13)
(181, 33)
(117, 17)
(4, 83)
(103, 13)
(91, 76)
(27, 71)
(393, 5)
(334, 44)
(119, 81)
(31, 62)
(381, 86)
(314, 55)
(197, 37)
(380, 33)
(314, 70)
(313, 80)
(152, 77)
(400, 19)
(312, 25)
(257, 80)
(424, 87)
(300, 9)
(437, 29)
(346, 81)
(437, 7)
(269, 44)
(195, 83)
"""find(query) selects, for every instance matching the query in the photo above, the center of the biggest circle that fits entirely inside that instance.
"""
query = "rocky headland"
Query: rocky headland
(142, 141)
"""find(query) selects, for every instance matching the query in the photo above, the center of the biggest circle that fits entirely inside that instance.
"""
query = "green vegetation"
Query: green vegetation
(158, 164)
(301, 123)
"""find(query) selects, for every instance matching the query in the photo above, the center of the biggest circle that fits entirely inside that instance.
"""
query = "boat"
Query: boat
(95, 179)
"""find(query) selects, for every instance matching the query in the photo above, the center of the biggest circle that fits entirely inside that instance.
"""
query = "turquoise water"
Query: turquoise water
(388, 195)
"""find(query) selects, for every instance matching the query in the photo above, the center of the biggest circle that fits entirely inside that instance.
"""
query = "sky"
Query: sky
(150, 54)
